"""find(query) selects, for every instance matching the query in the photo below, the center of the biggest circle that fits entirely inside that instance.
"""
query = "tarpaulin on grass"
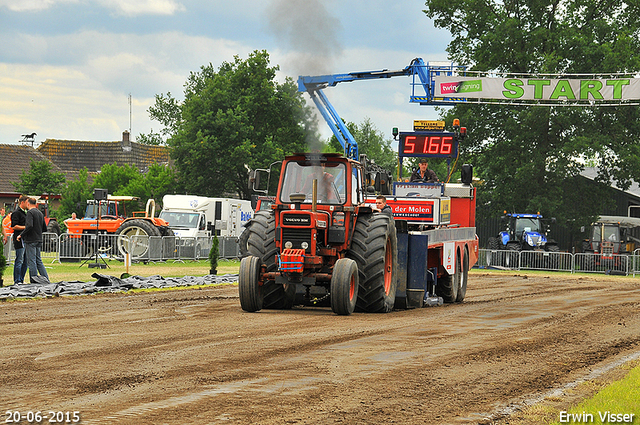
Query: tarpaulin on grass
(106, 283)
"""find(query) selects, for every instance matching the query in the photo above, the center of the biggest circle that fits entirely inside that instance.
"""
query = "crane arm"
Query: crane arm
(422, 74)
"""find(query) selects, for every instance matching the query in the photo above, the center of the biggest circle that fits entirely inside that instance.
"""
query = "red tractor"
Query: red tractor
(320, 236)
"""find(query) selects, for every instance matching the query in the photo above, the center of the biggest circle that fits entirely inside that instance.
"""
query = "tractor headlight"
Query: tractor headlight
(288, 245)
(304, 245)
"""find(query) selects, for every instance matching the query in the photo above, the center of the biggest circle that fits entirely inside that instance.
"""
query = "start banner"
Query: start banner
(539, 89)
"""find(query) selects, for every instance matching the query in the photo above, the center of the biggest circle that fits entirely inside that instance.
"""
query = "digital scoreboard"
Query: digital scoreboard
(434, 144)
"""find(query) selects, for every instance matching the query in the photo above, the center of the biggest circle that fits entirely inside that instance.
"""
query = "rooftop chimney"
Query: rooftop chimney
(126, 143)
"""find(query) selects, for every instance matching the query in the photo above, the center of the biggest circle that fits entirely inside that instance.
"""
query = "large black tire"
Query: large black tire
(512, 257)
(242, 240)
(261, 243)
(344, 287)
(136, 230)
(464, 276)
(449, 285)
(50, 242)
(374, 249)
(249, 288)
(493, 245)
(53, 227)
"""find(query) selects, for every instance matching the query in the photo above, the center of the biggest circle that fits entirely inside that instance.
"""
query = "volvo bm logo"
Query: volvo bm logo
(296, 220)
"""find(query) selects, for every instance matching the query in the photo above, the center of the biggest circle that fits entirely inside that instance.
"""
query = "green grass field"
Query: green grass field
(609, 405)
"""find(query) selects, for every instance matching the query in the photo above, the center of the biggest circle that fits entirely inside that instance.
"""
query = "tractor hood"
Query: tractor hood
(534, 238)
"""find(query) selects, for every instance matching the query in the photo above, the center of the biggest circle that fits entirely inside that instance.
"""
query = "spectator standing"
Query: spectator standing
(6, 225)
(18, 223)
(32, 237)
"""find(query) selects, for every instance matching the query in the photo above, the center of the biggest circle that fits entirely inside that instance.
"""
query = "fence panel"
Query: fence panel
(597, 263)
(228, 247)
(8, 250)
(499, 258)
(542, 260)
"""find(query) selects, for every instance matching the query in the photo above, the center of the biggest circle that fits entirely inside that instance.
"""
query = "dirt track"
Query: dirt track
(193, 356)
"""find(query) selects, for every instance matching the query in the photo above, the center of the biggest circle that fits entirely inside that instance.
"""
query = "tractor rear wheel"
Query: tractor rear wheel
(344, 287)
(249, 288)
(374, 249)
(493, 245)
(261, 243)
(137, 234)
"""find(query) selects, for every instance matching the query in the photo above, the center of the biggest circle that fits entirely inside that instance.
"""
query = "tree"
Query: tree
(233, 118)
(114, 178)
(75, 194)
(529, 157)
(158, 181)
(371, 142)
(40, 179)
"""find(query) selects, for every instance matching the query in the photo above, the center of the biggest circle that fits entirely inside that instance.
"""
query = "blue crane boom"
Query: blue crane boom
(421, 72)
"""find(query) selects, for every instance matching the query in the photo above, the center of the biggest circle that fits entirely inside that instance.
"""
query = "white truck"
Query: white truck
(197, 216)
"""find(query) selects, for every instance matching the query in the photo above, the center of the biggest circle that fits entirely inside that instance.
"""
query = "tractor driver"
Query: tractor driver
(326, 186)
(423, 174)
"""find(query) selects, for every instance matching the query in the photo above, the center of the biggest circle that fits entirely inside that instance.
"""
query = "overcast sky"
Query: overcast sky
(67, 67)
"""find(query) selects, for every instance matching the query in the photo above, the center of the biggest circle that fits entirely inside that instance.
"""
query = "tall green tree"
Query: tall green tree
(75, 194)
(40, 179)
(114, 178)
(233, 118)
(529, 157)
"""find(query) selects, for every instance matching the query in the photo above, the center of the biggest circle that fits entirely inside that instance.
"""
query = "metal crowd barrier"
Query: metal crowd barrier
(71, 247)
(560, 261)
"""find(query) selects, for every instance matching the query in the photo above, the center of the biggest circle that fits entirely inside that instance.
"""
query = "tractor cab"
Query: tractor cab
(527, 230)
(315, 191)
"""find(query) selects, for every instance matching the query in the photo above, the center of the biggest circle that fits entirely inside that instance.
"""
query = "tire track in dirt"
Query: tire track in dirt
(163, 357)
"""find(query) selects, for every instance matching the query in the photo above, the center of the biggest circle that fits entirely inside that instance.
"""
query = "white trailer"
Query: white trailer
(198, 216)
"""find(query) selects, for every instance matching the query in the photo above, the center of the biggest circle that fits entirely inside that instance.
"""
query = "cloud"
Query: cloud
(128, 8)
(31, 5)
(144, 7)
(59, 92)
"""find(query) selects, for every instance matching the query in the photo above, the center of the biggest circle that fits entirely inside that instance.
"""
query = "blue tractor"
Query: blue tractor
(524, 232)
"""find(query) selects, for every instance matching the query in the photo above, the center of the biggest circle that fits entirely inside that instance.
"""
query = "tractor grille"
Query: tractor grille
(607, 249)
(296, 237)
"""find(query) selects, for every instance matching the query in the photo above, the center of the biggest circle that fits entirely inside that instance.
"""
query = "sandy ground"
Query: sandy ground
(193, 356)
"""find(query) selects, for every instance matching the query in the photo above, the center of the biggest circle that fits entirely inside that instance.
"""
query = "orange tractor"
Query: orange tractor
(109, 218)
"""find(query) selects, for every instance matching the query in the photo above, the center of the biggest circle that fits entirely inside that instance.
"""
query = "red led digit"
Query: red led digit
(434, 145)
(410, 144)
(447, 143)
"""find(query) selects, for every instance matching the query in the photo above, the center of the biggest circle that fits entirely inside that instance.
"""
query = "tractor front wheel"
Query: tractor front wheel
(261, 243)
(249, 288)
(344, 287)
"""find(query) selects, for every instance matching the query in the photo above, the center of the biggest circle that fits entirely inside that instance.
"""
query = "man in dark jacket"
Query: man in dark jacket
(381, 205)
(423, 173)
(18, 223)
(32, 238)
